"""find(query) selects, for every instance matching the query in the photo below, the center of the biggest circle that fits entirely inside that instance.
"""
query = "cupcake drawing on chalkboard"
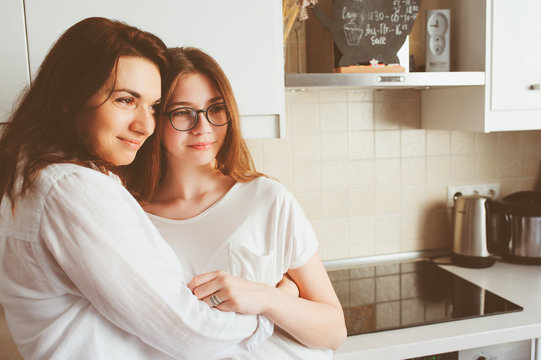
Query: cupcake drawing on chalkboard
(369, 29)
(354, 16)
(353, 33)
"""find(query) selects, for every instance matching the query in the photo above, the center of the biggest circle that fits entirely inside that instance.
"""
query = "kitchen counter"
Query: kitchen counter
(520, 284)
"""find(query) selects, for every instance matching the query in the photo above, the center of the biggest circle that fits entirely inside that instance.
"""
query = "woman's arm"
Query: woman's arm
(315, 318)
(115, 259)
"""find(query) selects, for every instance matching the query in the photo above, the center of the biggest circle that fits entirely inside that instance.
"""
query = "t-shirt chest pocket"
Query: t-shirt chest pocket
(248, 264)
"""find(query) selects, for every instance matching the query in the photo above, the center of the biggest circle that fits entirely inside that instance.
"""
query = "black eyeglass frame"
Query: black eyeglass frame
(169, 114)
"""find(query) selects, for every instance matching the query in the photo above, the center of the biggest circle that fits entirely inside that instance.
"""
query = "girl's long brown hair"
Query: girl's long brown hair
(44, 128)
(234, 158)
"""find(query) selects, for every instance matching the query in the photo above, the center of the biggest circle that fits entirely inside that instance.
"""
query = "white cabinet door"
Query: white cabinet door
(14, 69)
(513, 53)
(516, 55)
(244, 36)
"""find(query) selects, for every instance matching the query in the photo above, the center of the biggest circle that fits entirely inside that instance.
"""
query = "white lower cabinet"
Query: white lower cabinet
(520, 350)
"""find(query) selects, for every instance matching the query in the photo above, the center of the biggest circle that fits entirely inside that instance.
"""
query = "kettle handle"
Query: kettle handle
(504, 247)
(498, 227)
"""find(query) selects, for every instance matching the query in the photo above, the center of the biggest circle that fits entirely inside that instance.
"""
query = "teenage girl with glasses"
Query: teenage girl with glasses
(237, 232)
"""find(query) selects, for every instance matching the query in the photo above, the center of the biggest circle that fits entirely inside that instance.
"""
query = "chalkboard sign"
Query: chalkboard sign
(370, 29)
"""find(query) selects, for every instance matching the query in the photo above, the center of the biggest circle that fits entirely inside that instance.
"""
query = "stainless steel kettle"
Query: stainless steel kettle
(473, 244)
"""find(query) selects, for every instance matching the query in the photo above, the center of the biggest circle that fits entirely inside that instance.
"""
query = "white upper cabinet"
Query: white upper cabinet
(511, 97)
(244, 36)
(14, 69)
(516, 55)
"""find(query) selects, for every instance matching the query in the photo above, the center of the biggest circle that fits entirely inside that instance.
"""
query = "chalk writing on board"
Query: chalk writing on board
(366, 29)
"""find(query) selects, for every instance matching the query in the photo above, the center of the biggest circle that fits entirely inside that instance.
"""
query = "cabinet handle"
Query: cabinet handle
(390, 78)
(535, 87)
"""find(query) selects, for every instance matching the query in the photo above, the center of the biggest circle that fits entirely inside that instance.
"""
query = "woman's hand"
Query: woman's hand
(236, 294)
(314, 317)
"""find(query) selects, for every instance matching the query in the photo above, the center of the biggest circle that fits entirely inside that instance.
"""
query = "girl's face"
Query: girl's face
(199, 145)
(122, 111)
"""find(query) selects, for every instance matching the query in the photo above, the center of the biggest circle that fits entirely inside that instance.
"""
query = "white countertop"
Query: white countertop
(520, 284)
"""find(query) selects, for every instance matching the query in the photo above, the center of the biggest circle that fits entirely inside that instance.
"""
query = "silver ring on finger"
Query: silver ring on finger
(215, 300)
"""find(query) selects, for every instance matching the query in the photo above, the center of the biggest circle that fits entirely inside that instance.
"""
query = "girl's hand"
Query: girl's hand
(236, 294)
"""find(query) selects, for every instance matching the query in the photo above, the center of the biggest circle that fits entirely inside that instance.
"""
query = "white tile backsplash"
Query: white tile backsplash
(387, 144)
(334, 146)
(413, 143)
(306, 176)
(509, 142)
(306, 146)
(438, 169)
(362, 230)
(413, 171)
(334, 204)
(462, 143)
(486, 143)
(334, 116)
(372, 181)
(530, 141)
(361, 202)
(387, 117)
(530, 164)
(387, 201)
(361, 145)
(334, 175)
(509, 166)
(355, 95)
(463, 168)
(438, 142)
(306, 117)
(487, 168)
(360, 116)
(388, 172)
(413, 199)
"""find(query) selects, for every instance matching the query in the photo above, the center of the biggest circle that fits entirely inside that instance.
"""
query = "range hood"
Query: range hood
(419, 80)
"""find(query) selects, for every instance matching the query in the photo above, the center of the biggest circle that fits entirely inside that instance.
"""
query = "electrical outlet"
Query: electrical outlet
(492, 190)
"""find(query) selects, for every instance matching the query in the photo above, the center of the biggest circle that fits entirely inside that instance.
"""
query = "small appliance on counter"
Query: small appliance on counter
(516, 222)
(474, 243)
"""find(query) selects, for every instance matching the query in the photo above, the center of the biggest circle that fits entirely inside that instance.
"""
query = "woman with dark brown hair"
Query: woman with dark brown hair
(236, 231)
(83, 273)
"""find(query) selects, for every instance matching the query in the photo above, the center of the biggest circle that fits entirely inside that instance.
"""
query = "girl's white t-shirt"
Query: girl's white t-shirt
(256, 231)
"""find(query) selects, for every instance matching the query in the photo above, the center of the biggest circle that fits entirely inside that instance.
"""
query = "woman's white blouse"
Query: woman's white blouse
(85, 275)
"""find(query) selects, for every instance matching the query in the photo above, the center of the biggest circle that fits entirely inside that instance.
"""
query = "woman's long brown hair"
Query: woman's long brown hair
(233, 159)
(44, 128)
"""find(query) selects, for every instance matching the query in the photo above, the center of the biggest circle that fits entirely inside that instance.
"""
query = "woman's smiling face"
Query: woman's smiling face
(199, 145)
(121, 115)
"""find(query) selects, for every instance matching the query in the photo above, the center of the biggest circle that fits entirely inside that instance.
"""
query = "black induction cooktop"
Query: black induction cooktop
(399, 295)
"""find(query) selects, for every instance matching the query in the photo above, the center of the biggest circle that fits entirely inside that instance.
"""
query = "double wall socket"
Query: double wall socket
(492, 190)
